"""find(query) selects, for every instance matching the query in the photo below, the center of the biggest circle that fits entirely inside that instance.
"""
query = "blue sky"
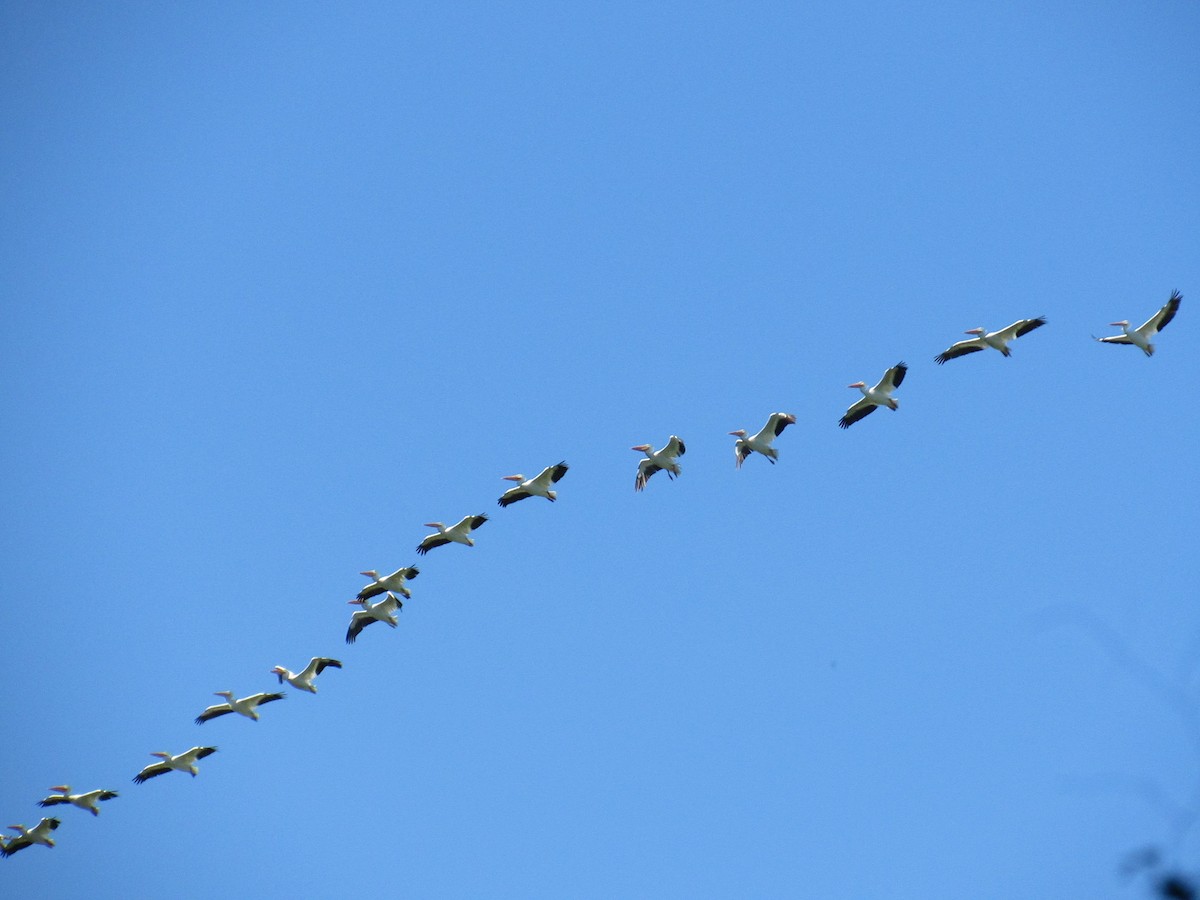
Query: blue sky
(282, 283)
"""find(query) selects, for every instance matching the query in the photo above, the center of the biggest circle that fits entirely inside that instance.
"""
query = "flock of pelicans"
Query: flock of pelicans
(664, 459)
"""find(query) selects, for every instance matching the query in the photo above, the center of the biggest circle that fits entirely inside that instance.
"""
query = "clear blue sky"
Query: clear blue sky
(283, 281)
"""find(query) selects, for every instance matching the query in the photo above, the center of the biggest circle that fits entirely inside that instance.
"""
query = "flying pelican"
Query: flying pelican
(184, 762)
(534, 487)
(247, 706)
(393, 582)
(304, 678)
(880, 395)
(383, 611)
(1141, 337)
(761, 442)
(997, 340)
(664, 459)
(38, 834)
(459, 533)
(86, 801)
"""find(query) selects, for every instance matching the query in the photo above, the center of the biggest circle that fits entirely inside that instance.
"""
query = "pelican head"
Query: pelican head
(278, 670)
(741, 432)
(1124, 323)
(438, 525)
(515, 477)
(370, 573)
(644, 448)
(975, 331)
(62, 788)
(161, 754)
(228, 695)
(858, 384)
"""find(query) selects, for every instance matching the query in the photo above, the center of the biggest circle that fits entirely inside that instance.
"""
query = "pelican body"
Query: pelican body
(538, 486)
(383, 611)
(27, 837)
(459, 533)
(997, 340)
(656, 460)
(184, 762)
(303, 680)
(394, 582)
(86, 801)
(872, 398)
(247, 706)
(762, 441)
(1142, 336)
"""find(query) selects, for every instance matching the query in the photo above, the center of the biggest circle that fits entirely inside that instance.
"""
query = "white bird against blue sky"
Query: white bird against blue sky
(246, 706)
(875, 397)
(997, 340)
(762, 441)
(1142, 336)
(538, 486)
(303, 680)
(458, 533)
(27, 837)
(88, 800)
(183, 762)
(665, 459)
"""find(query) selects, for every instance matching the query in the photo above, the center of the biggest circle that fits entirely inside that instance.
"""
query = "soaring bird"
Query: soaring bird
(459, 533)
(184, 762)
(247, 706)
(761, 442)
(998, 340)
(664, 459)
(86, 801)
(393, 582)
(304, 678)
(383, 611)
(880, 395)
(1142, 336)
(538, 486)
(27, 837)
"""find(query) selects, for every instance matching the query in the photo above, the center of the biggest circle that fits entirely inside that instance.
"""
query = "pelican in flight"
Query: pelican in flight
(393, 582)
(664, 459)
(880, 395)
(27, 837)
(184, 762)
(247, 706)
(304, 678)
(997, 340)
(383, 611)
(86, 801)
(1142, 336)
(761, 442)
(538, 486)
(459, 533)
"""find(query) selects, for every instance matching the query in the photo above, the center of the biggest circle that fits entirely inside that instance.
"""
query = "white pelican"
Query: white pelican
(761, 442)
(664, 459)
(393, 582)
(304, 678)
(86, 801)
(184, 762)
(997, 340)
(880, 395)
(383, 611)
(247, 706)
(38, 834)
(1141, 337)
(459, 533)
(538, 486)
